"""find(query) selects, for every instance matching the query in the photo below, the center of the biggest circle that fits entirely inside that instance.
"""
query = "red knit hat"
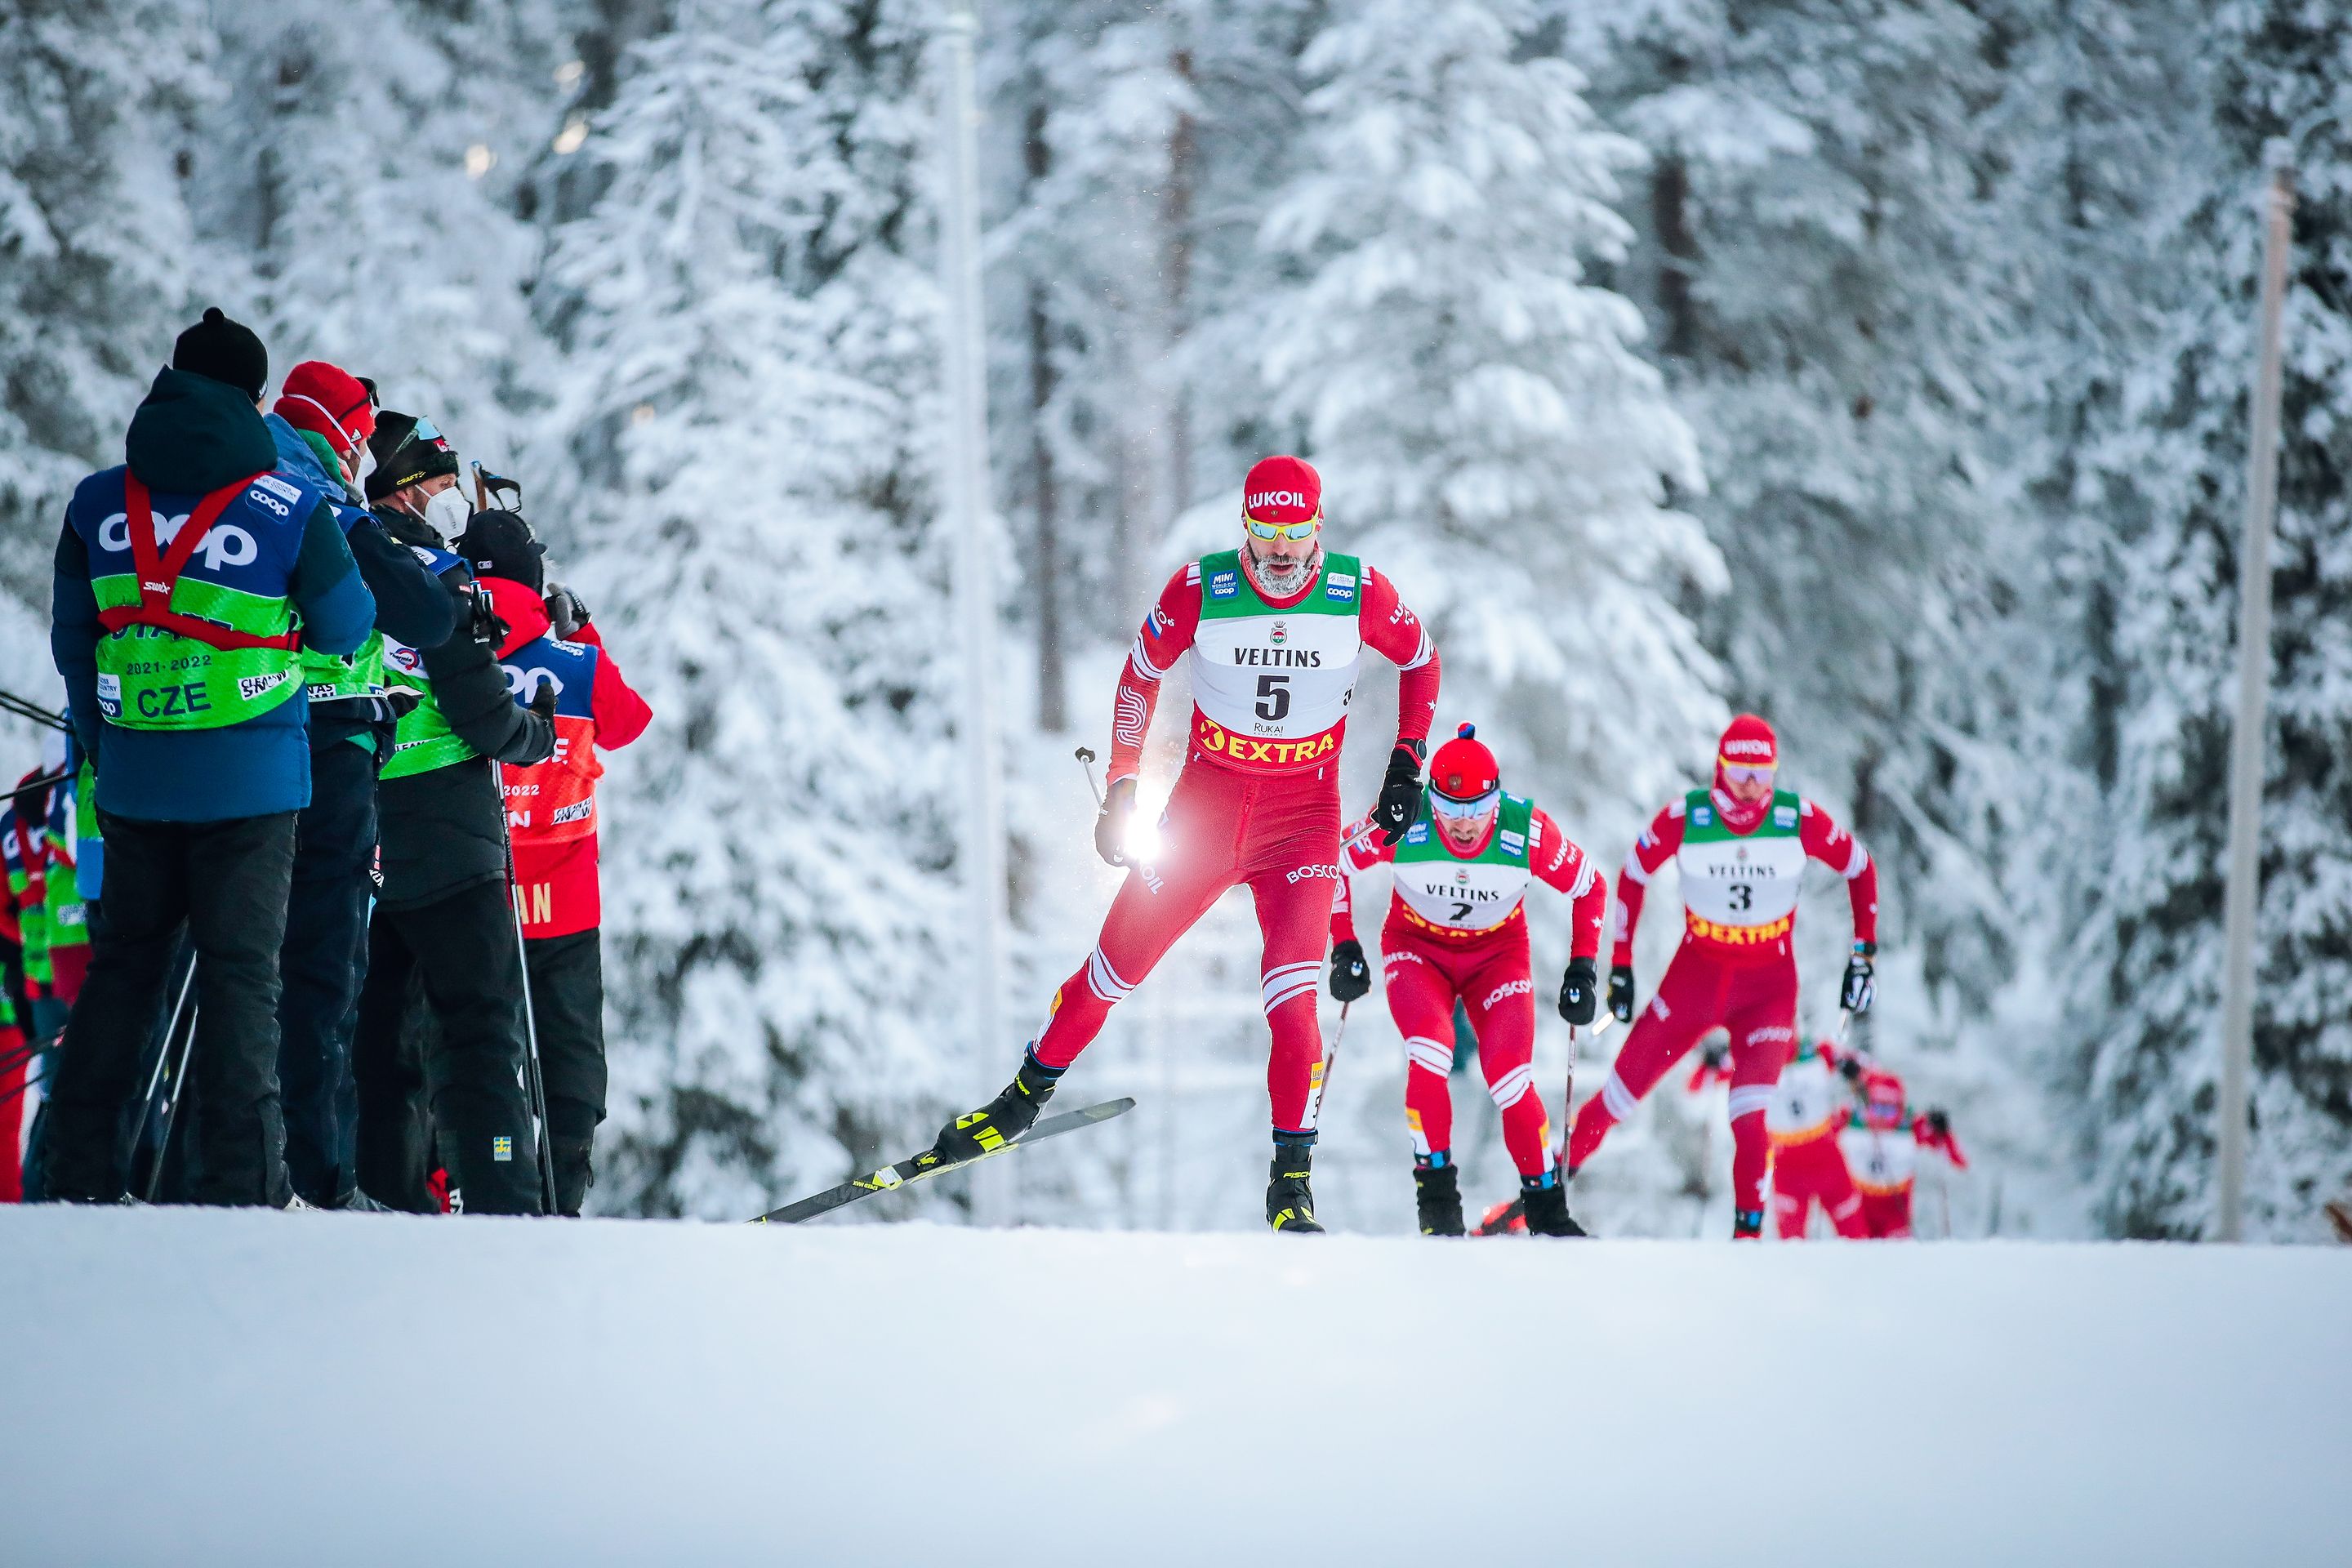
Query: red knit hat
(327, 401)
(1463, 768)
(1882, 1099)
(1748, 743)
(1283, 490)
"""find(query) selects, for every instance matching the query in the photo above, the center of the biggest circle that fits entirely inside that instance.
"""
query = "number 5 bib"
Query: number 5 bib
(1271, 686)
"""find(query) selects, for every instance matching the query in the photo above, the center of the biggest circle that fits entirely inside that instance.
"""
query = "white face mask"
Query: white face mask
(446, 513)
(363, 465)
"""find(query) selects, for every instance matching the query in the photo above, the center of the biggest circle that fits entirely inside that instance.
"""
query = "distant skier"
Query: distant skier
(1457, 928)
(1881, 1143)
(1809, 1106)
(1742, 848)
(1275, 630)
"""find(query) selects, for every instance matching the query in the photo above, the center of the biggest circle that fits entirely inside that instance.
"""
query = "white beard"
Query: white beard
(1291, 578)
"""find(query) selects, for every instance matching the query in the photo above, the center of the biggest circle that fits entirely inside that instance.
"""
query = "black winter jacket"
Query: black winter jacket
(444, 831)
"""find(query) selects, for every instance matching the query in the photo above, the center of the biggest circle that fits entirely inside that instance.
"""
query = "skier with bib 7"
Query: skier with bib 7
(1275, 632)
(1457, 928)
(1741, 848)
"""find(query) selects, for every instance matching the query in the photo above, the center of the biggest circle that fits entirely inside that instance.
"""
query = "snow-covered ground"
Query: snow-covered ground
(195, 1387)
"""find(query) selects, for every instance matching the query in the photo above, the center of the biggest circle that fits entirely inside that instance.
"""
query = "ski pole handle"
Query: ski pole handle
(1087, 759)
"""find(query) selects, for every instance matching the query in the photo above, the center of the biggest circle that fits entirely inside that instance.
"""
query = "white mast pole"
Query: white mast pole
(2253, 700)
(965, 344)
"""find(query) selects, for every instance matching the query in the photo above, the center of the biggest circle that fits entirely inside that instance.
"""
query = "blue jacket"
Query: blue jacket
(190, 435)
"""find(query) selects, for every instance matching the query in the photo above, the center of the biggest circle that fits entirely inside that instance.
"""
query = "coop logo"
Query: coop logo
(1264, 498)
(1510, 988)
(1223, 584)
(1308, 873)
(225, 545)
(525, 683)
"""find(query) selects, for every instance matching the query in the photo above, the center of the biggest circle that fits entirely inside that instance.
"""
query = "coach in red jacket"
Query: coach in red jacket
(551, 814)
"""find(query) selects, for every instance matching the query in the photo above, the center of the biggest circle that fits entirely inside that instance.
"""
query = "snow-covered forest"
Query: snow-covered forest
(1878, 365)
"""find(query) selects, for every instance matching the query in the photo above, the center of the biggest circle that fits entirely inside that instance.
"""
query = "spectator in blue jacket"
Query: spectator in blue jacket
(188, 581)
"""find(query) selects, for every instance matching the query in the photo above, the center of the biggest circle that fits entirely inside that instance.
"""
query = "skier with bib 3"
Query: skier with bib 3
(1275, 631)
(1457, 928)
(1741, 848)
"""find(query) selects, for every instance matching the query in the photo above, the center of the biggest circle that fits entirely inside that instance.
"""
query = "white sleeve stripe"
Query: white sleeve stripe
(1420, 655)
(1859, 864)
(1142, 660)
(1634, 872)
(1583, 881)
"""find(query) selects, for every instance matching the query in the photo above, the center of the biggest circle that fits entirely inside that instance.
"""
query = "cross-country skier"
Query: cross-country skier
(1275, 630)
(1809, 1106)
(1881, 1143)
(1741, 846)
(1457, 927)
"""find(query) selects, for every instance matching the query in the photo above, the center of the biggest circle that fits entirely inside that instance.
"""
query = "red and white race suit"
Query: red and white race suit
(1808, 1106)
(1258, 799)
(1737, 967)
(1457, 928)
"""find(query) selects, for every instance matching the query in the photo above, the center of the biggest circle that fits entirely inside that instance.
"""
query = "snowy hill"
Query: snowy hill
(202, 1387)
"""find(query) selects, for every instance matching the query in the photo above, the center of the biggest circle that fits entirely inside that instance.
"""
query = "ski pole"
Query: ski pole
(537, 1082)
(162, 1054)
(171, 1100)
(1087, 759)
(1331, 1058)
(12, 703)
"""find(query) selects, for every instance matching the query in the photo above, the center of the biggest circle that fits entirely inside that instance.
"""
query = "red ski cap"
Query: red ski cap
(327, 400)
(1748, 743)
(1882, 1100)
(1463, 768)
(1283, 490)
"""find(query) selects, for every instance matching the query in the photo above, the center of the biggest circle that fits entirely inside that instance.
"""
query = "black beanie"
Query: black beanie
(223, 351)
(409, 450)
(500, 544)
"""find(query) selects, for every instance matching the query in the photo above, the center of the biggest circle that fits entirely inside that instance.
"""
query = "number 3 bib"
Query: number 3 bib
(1741, 890)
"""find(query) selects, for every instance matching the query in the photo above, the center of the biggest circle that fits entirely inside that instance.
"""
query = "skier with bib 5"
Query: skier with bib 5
(1741, 848)
(1457, 928)
(1276, 631)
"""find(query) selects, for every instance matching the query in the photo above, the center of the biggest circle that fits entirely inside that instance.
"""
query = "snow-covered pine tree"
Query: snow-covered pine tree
(748, 323)
(1828, 285)
(2173, 466)
(1486, 430)
(401, 256)
(96, 259)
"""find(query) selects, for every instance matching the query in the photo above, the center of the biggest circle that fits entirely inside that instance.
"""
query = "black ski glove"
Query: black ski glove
(566, 612)
(1580, 997)
(1939, 1125)
(1400, 793)
(1350, 975)
(1621, 993)
(542, 701)
(1850, 1068)
(1860, 988)
(1110, 826)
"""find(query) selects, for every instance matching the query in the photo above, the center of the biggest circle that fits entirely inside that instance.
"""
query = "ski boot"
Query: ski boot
(1748, 1225)
(1001, 1120)
(1437, 1195)
(1545, 1201)
(1289, 1205)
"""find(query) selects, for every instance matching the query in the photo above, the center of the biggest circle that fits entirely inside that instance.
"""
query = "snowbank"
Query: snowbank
(236, 1388)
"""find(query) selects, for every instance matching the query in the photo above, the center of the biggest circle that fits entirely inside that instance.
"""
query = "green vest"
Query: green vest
(1506, 846)
(1702, 823)
(331, 677)
(200, 631)
(423, 740)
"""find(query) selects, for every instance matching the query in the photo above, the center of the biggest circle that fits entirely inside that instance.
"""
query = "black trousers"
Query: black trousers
(567, 998)
(324, 956)
(228, 880)
(460, 950)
